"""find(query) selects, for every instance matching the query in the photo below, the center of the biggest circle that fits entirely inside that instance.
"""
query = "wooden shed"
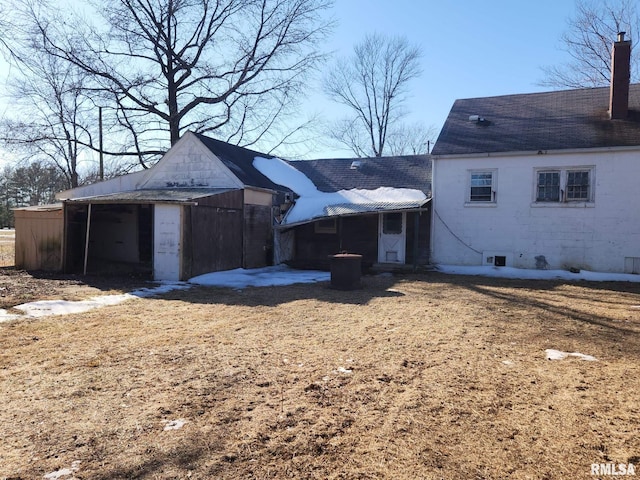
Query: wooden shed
(169, 234)
(202, 208)
(39, 237)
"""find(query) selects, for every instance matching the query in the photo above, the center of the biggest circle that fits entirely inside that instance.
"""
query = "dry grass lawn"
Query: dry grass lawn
(426, 376)
(7, 247)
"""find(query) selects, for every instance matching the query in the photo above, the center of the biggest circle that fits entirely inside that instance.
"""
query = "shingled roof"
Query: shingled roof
(334, 174)
(240, 161)
(569, 119)
(330, 175)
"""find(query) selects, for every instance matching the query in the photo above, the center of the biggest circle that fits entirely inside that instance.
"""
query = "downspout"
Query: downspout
(416, 236)
(86, 242)
(65, 249)
(432, 214)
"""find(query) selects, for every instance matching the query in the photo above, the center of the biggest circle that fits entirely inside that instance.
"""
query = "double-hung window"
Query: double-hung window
(482, 186)
(548, 186)
(564, 185)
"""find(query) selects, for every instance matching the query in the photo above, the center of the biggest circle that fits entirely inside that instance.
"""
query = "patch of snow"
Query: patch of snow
(64, 472)
(344, 370)
(507, 362)
(163, 287)
(63, 307)
(6, 316)
(239, 278)
(173, 424)
(555, 354)
(260, 277)
(534, 274)
(558, 355)
(312, 202)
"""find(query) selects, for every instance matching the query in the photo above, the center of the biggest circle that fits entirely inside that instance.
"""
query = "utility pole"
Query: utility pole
(100, 141)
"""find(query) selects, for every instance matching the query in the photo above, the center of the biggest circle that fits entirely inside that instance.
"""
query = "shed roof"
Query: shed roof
(176, 195)
(569, 119)
(343, 209)
(49, 207)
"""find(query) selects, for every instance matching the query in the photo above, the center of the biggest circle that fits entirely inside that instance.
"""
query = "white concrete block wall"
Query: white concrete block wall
(595, 236)
(190, 164)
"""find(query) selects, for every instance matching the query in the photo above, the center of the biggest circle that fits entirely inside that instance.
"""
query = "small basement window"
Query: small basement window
(326, 226)
(500, 261)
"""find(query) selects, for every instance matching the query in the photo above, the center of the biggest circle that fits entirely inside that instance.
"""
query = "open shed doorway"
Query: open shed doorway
(120, 239)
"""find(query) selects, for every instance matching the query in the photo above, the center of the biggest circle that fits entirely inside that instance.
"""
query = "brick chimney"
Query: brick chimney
(620, 78)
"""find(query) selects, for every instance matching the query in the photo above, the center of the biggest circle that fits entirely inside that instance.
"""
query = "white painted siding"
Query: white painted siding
(594, 236)
(167, 227)
(123, 183)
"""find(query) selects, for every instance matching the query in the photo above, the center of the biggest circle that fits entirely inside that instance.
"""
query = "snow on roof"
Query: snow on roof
(312, 203)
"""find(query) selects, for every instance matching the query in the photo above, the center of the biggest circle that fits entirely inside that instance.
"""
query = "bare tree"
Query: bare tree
(47, 123)
(588, 42)
(373, 85)
(235, 68)
(411, 139)
(6, 26)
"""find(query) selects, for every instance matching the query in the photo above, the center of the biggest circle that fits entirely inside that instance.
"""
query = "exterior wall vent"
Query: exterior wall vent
(497, 258)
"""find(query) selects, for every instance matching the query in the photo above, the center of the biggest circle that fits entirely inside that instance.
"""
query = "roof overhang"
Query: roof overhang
(51, 207)
(186, 196)
(350, 210)
(529, 153)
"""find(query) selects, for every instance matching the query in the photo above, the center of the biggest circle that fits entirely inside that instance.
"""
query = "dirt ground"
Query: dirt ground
(417, 376)
(19, 286)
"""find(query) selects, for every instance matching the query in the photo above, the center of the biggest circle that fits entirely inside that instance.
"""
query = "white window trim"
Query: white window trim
(564, 202)
(494, 188)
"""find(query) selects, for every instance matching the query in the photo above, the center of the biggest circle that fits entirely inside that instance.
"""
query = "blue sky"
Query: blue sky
(470, 48)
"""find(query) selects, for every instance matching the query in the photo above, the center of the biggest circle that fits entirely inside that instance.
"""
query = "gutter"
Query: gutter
(532, 153)
(281, 226)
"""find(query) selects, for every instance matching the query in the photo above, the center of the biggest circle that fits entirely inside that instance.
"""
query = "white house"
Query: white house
(543, 180)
